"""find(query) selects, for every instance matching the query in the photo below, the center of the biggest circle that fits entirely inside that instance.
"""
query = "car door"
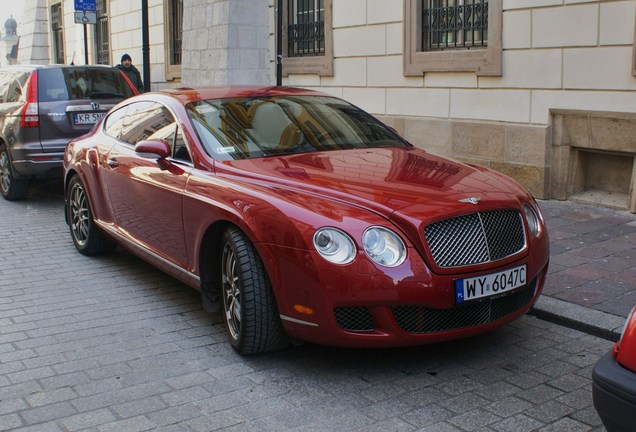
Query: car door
(146, 195)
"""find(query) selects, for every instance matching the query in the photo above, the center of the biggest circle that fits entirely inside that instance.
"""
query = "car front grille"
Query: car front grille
(354, 318)
(415, 319)
(475, 238)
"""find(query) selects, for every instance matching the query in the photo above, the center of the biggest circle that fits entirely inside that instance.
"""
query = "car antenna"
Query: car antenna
(73, 59)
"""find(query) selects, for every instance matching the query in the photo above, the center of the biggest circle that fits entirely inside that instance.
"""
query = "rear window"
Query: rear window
(81, 83)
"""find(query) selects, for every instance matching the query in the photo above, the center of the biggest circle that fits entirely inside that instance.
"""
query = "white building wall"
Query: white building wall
(556, 54)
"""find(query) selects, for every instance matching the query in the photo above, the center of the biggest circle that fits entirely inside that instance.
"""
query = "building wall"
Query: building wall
(557, 55)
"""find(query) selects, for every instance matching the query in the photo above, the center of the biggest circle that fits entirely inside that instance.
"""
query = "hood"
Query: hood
(407, 181)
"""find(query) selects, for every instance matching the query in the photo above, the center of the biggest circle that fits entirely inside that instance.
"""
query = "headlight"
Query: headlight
(533, 220)
(384, 246)
(334, 245)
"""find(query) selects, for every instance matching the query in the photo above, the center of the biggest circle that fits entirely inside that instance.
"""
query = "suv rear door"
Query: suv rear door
(72, 99)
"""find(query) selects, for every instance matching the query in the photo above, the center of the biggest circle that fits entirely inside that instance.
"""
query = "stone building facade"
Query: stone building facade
(543, 90)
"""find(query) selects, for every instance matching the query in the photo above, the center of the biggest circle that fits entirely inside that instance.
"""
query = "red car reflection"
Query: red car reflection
(303, 217)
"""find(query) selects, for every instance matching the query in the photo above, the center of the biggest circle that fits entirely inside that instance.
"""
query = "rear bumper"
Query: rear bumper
(614, 394)
(39, 165)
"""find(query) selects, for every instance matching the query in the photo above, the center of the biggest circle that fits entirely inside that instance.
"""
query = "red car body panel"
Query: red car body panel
(163, 211)
(625, 349)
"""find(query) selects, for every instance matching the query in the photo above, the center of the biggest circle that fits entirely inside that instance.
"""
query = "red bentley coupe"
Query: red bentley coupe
(303, 217)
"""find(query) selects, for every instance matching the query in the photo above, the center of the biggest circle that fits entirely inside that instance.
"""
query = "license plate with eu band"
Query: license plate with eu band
(87, 118)
(490, 284)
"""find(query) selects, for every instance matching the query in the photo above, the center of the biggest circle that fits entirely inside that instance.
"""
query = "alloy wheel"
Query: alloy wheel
(5, 172)
(231, 292)
(79, 214)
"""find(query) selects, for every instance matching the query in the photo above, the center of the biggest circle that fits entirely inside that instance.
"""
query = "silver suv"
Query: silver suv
(41, 109)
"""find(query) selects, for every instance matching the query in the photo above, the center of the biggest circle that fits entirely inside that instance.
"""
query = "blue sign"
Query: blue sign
(85, 5)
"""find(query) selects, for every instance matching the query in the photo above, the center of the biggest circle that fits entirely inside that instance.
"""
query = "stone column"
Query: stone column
(34, 34)
(225, 42)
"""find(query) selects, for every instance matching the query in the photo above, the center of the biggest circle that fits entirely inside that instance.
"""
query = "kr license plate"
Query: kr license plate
(490, 284)
(86, 118)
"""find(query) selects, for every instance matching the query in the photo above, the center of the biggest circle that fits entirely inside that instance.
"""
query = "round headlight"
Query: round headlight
(532, 219)
(334, 245)
(384, 246)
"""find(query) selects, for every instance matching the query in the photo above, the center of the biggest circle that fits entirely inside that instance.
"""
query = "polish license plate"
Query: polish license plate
(87, 118)
(490, 284)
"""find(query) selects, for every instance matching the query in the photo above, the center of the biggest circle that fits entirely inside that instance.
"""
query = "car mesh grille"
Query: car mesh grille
(475, 238)
(354, 318)
(415, 319)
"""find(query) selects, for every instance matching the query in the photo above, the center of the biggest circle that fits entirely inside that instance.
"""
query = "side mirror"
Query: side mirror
(154, 147)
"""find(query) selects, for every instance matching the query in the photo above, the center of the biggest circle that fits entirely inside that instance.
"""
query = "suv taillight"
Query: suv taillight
(29, 115)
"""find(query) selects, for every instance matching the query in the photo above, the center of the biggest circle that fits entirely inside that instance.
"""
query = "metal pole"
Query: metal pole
(85, 45)
(279, 43)
(145, 44)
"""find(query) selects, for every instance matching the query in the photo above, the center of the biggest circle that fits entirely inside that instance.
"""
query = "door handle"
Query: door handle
(112, 163)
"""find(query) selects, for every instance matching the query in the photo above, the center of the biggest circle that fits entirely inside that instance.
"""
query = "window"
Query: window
(57, 33)
(101, 33)
(307, 37)
(173, 11)
(452, 35)
(149, 120)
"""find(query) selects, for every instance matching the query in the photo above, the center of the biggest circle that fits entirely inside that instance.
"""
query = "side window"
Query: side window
(114, 122)
(5, 82)
(148, 120)
(14, 90)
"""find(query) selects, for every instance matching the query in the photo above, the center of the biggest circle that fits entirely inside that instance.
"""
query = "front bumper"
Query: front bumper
(614, 394)
(363, 305)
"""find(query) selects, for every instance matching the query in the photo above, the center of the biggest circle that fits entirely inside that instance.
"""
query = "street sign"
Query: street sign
(86, 17)
(85, 5)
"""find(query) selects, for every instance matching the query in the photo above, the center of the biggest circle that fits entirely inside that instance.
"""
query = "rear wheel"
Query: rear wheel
(10, 187)
(251, 315)
(86, 237)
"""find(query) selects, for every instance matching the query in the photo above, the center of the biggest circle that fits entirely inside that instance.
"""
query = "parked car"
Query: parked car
(41, 109)
(614, 382)
(305, 218)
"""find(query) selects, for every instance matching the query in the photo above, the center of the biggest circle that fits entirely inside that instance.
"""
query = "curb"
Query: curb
(590, 321)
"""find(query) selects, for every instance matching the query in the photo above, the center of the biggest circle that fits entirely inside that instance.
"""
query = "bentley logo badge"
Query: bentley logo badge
(471, 200)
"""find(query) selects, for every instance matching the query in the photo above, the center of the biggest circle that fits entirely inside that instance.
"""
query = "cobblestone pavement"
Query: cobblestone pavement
(592, 256)
(111, 344)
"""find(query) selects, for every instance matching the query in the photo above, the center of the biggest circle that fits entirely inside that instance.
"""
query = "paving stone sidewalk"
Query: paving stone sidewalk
(592, 278)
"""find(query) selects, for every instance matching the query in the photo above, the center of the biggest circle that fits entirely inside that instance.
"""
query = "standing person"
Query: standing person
(131, 72)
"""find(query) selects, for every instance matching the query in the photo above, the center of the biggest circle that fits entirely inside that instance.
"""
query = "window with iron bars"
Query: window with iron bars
(57, 33)
(176, 30)
(454, 24)
(305, 28)
(453, 36)
(102, 46)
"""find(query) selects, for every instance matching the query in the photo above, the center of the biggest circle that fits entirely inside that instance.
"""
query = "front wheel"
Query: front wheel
(251, 315)
(10, 187)
(86, 237)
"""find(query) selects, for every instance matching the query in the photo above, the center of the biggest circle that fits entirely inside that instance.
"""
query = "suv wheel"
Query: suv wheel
(10, 187)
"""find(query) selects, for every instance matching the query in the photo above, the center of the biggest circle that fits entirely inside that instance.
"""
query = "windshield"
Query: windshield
(241, 128)
(61, 84)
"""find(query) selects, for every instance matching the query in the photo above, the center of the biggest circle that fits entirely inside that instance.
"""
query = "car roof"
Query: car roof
(187, 95)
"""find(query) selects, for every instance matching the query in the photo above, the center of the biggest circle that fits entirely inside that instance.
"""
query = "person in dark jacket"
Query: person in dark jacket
(131, 72)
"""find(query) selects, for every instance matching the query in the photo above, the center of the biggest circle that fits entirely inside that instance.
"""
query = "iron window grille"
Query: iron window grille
(454, 24)
(57, 33)
(101, 33)
(176, 30)
(305, 28)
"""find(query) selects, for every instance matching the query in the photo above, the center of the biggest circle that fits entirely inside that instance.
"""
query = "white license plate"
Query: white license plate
(87, 118)
(490, 284)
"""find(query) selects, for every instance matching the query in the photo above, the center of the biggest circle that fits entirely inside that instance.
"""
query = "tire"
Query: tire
(12, 189)
(86, 237)
(251, 316)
